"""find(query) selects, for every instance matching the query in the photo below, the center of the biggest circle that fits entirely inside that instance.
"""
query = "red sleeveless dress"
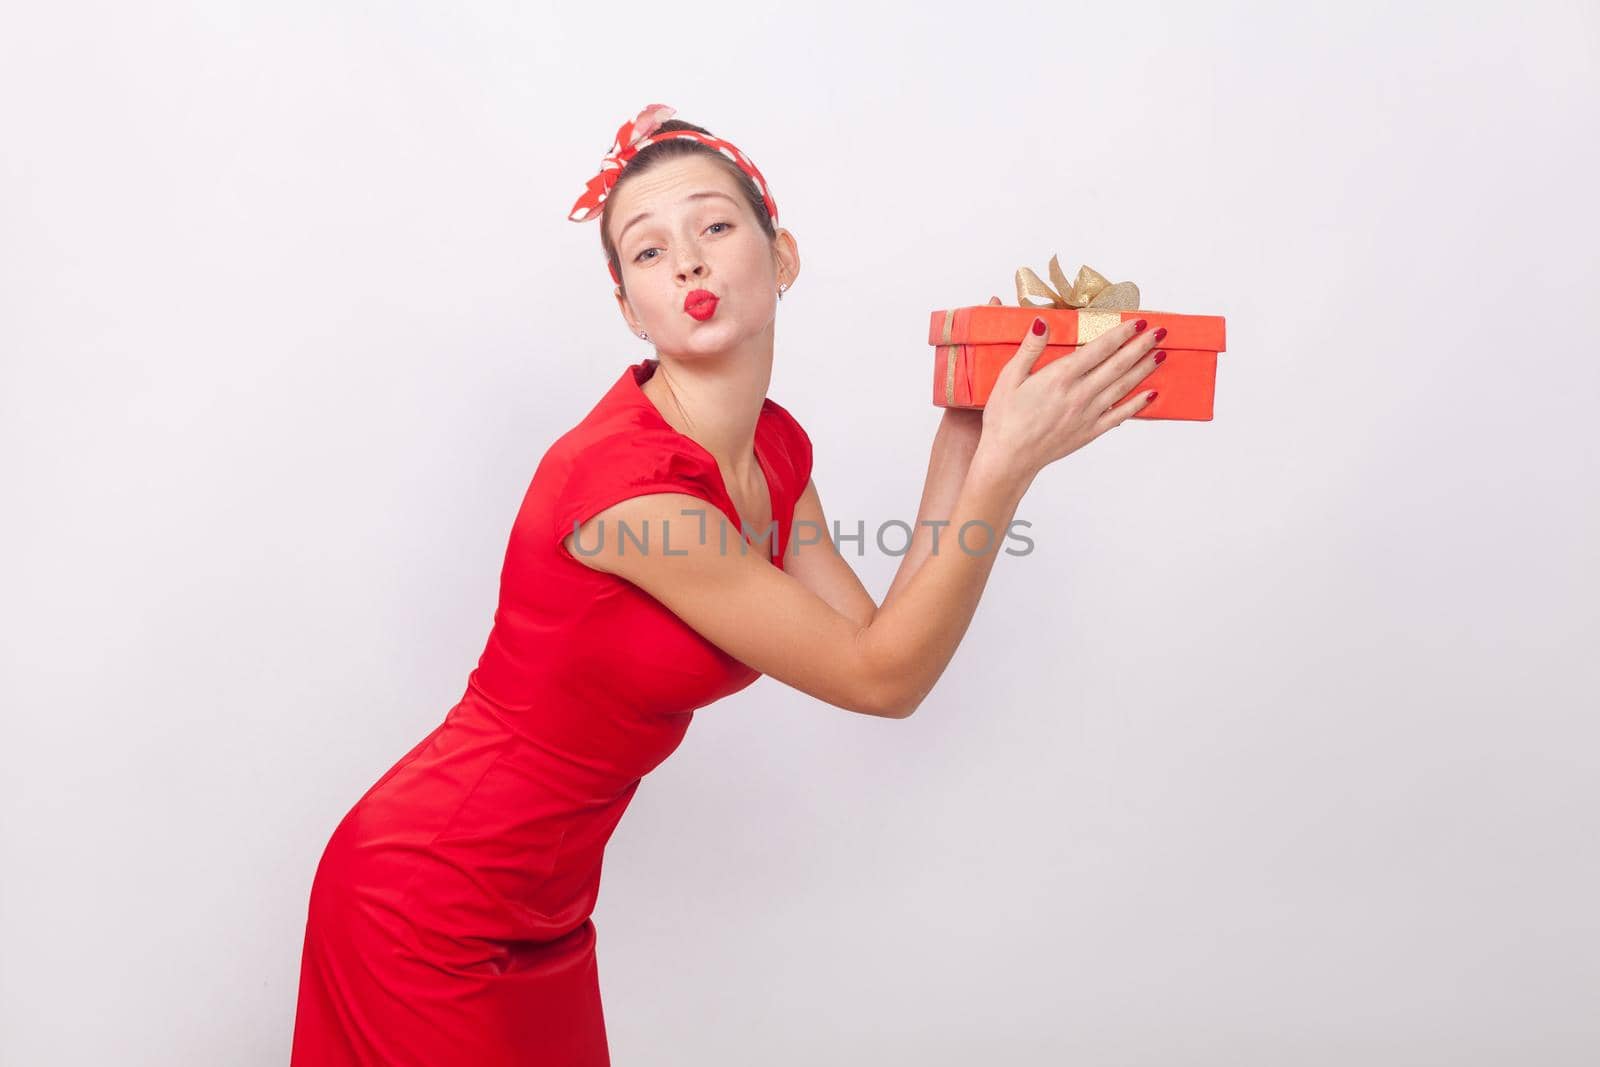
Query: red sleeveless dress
(449, 918)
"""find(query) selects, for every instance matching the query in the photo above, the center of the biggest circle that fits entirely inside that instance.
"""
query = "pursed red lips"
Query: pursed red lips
(700, 303)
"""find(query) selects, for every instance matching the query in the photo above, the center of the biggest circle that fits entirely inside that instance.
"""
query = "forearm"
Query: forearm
(948, 462)
(916, 631)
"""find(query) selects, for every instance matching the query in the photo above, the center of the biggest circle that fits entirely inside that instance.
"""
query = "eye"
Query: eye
(640, 256)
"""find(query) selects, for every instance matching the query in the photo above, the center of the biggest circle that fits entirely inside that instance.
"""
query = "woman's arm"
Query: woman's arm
(771, 621)
(883, 664)
(816, 561)
(954, 445)
(923, 618)
(814, 558)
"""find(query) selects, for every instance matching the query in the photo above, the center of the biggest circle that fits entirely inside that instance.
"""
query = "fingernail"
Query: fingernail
(1159, 334)
(1138, 327)
(1152, 395)
(1160, 355)
(1038, 326)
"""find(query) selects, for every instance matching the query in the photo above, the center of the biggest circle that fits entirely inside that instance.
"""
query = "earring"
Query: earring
(644, 335)
(781, 288)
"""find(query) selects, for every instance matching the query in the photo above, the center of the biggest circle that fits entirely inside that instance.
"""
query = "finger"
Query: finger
(1020, 365)
(1087, 357)
(1115, 416)
(1125, 368)
(1128, 385)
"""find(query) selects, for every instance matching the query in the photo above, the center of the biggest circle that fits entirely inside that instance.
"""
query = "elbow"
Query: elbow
(905, 706)
(903, 710)
(879, 698)
(886, 704)
(896, 699)
(887, 691)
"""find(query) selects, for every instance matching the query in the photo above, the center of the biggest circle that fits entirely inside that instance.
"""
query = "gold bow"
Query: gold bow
(1091, 290)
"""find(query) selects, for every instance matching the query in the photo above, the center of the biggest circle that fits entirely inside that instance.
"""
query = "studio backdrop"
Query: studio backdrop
(1277, 746)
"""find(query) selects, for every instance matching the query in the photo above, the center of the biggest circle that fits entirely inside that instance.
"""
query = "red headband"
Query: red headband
(635, 135)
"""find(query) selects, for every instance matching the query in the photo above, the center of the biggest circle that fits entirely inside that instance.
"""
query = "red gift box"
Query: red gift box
(973, 343)
(964, 376)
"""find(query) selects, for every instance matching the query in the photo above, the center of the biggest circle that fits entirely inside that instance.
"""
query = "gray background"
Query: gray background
(1275, 750)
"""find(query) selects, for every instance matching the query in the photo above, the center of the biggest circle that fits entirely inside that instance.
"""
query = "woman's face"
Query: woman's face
(684, 226)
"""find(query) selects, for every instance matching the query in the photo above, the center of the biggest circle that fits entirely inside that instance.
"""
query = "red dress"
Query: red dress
(449, 919)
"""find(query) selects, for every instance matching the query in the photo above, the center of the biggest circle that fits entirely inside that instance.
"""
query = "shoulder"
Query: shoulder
(618, 441)
(605, 466)
(793, 442)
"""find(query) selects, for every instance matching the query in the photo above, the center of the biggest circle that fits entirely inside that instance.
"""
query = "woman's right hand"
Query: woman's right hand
(1033, 418)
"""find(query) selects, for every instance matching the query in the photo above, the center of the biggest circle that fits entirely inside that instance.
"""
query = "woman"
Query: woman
(652, 569)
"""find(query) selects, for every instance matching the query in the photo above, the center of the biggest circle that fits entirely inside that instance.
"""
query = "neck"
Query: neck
(715, 400)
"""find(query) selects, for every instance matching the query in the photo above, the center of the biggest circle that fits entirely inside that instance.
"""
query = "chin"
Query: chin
(714, 336)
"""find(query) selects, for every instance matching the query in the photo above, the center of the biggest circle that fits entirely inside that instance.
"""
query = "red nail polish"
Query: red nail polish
(1159, 356)
(1038, 326)
(1138, 326)
(1152, 395)
(1159, 334)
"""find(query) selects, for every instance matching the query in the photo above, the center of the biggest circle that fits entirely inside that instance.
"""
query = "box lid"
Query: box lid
(1002, 324)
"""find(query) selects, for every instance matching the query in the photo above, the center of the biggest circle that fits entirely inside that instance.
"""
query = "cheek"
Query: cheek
(754, 262)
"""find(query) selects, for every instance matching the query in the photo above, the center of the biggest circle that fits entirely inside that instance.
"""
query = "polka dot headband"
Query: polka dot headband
(635, 135)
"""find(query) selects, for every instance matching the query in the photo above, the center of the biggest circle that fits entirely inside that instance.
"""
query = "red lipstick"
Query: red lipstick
(700, 304)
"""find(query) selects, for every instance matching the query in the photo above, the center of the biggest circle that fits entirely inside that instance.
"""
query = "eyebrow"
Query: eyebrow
(692, 196)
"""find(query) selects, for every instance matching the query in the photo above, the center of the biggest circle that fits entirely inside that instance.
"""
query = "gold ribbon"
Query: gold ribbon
(1091, 290)
(1099, 303)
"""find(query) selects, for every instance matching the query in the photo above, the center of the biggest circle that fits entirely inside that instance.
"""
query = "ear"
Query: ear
(786, 257)
(626, 309)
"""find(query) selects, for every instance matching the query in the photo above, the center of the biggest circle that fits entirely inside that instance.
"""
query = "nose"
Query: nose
(690, 262)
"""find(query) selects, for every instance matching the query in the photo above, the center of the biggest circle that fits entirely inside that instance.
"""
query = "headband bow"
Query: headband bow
(635, 135)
